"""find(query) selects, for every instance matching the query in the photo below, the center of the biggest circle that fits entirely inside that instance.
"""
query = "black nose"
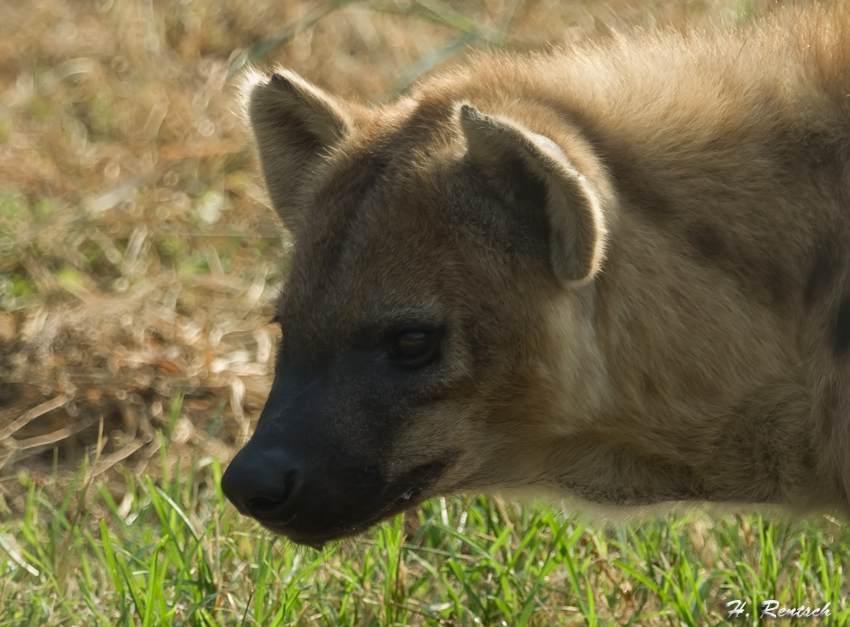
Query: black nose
(262, 485)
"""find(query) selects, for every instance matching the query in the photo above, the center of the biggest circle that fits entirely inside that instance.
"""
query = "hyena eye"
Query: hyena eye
(414, 347)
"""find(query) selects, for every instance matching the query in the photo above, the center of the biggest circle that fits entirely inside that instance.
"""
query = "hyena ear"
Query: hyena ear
(533, 167)
(295, 125)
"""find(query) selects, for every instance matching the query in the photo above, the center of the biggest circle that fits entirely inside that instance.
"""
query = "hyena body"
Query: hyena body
(619, 271)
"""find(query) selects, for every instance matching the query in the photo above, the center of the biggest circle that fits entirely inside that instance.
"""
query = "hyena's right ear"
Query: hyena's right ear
(295, 125)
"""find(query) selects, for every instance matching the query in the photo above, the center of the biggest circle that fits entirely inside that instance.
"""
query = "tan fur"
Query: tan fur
(685, 338)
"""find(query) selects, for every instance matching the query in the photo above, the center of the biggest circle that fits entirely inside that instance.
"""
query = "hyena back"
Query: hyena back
(619, 271)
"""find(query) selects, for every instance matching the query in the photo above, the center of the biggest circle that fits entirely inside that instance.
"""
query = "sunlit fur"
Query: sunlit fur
(704, 355)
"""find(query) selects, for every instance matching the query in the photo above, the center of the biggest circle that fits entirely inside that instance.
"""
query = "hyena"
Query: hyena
(618, 271)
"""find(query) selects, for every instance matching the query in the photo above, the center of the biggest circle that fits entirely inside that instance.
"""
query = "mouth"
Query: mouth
(408, 491)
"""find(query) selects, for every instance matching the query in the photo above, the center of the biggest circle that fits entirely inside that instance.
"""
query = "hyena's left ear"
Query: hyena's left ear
(535, 168)
(295, 124)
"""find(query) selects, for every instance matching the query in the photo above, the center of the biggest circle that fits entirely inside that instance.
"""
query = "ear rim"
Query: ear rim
(316, 101)
(574, 209)
(295, 126)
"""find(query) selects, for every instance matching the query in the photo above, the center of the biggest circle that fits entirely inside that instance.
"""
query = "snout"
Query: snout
(323, 498)
(275, 487)
(319, 467)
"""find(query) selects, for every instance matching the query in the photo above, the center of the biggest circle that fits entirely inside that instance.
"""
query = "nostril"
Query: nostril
(262, 506)
(273, 500)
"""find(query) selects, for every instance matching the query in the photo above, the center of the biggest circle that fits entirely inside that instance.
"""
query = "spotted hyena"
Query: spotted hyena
(619, 271)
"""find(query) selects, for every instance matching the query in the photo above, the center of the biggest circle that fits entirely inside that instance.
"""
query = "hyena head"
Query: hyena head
(421, 352)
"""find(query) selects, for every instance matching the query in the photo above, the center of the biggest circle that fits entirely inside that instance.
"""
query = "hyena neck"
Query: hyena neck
(650, 412)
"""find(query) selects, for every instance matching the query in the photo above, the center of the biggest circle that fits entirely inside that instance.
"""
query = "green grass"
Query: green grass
(174, 552)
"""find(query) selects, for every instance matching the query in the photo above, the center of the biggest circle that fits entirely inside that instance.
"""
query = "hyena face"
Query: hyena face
(416, 314)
